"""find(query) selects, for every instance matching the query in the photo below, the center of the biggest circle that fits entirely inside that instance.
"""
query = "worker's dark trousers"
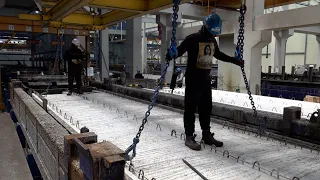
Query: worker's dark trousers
(197, 96)
(74, 72)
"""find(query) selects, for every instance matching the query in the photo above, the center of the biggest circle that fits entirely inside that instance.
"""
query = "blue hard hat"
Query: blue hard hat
(178, 69)
(213, 23)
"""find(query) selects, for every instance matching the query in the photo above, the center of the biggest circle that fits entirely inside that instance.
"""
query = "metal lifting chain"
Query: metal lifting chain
(173, 50)
(240, 45)
(58, 55)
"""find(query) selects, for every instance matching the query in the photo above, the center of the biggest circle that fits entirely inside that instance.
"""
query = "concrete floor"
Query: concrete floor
(13, 163)
(160, 155)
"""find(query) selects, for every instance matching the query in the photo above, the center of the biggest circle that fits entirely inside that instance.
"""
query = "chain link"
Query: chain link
(240, 45)
(173, 48)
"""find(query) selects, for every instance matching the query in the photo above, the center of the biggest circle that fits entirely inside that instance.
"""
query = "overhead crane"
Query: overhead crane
(69, 12)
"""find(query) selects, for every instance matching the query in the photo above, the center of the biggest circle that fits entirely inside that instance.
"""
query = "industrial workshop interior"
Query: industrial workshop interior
(160, 90)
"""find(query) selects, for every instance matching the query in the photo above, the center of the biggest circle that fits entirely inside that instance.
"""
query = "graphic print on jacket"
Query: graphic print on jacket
(205, 55)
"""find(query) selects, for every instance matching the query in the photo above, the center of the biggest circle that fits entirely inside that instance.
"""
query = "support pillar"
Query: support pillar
(164, 20)
(254, 41)
(104, 61)
(280, 48)
(144, 49)
(226, 71)
(318, 59)
(133, 46)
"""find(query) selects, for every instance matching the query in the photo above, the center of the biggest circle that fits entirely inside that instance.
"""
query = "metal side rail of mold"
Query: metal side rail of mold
(61, 152)
(161, 149)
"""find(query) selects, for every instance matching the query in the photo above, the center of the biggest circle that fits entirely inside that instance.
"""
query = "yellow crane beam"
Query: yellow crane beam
(153, 6)
(77, 19)
(63, 11)
(127, 5)
(17, 25)
(64, 8)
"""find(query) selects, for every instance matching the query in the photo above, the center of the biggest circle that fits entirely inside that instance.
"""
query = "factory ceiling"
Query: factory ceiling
(20, 4)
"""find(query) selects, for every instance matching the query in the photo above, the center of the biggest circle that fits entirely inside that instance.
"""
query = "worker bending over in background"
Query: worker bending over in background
(74, 57)
(201, 48)
(139, 75)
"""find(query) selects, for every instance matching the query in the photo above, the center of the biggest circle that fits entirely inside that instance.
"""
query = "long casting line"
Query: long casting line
(260, 156)
(194, 169)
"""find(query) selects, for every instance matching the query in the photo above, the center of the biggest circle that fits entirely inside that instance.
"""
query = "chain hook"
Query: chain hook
(133, 149)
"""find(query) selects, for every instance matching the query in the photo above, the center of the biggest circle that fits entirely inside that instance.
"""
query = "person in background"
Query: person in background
(139, 75)
(201, 48)
(74, 56)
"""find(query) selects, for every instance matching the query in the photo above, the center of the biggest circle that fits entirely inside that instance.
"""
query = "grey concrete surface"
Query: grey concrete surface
(117, 119)
(13, 163)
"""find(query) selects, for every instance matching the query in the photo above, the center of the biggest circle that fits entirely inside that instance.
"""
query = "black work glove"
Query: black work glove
(171, 53)
(237, 58)
(239, 62)
(168, 56)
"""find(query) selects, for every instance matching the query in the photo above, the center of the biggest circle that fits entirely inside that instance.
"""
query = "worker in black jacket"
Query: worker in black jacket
(74, 56)
(201, 48)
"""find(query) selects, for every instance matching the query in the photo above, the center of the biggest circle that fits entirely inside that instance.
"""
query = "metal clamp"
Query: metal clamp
(254, 164)
(60, 112)
(71, 119)
(274, 109)
(274, 170)
(131, 167)
(215, 148)
(125, 113)
(65, 116)
(245, 104)
(226, 152)
(158, 126)
(183, 136)
(173, 132)
(141, 174)
(242, 159)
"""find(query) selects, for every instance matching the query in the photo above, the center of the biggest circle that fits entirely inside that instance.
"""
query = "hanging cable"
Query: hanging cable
(239, 54)
(173, 50)
(58, 55)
